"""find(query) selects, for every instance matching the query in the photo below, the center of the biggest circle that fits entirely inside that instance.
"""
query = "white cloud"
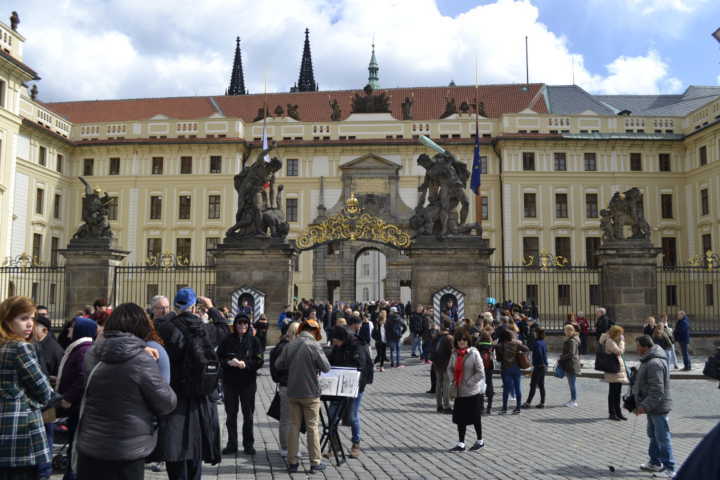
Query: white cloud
(635, 75)
(647, 7)
(89, 49)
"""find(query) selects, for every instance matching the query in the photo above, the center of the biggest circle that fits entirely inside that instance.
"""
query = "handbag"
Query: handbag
(559, 371)
(523, 360)
(274, 410)
(452, 390)
(606, 362)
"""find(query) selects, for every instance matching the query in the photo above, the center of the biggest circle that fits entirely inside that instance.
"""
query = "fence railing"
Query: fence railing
(694, 290)
(45, 285)
(138, 284)
(556, 291)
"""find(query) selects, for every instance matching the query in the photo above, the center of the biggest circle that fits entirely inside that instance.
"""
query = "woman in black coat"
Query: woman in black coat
(241, 356)
(124, 393)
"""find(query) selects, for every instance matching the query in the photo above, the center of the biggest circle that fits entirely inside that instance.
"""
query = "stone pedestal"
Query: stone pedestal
(629, 280)
(261, 264)
(460, 262)
(88, 275)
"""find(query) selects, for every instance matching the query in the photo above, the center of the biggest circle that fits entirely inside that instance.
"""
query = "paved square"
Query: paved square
(404, 438)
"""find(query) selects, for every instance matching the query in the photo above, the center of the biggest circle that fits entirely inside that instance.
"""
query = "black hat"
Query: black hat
(339, 333)
(241, 318)
(355, 320)
(44, 321)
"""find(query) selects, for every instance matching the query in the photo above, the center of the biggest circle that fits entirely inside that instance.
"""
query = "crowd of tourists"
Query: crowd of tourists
(138, 386)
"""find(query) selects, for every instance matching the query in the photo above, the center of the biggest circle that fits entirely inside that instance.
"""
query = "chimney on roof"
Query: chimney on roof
(306, 81)
(237, 79)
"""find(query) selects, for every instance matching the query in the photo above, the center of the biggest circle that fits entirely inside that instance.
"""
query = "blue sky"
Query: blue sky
(98, 49)
(602, 30)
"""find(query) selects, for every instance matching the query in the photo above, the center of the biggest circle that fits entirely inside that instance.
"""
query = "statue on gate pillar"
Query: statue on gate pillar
(96, 227)
(625, 208)
(443, 189)
(256, 214)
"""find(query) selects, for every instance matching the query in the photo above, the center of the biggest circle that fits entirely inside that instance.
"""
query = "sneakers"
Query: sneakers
(249, 450)
(355, 451)
(651, 467)
(516, 411)
(157, 467)
(460, 447)
(293, 467)
(478, 445)
(318, 467)
(540, 405)
(525, 405)
(571, 403)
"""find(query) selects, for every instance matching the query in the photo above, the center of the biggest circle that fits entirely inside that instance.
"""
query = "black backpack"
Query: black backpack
(606, 362)
(712, 366)
(200, 364)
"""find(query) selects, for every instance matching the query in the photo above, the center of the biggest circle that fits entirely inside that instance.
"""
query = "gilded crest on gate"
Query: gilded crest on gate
(353, 224)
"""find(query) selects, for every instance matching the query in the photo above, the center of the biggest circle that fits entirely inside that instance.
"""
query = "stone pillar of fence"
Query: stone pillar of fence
(261, 264)
(462, 263)
(628, 279)
(88, 275)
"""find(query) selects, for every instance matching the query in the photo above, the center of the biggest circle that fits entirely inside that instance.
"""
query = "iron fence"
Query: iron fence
(138, 284)
(556, 290)
(44, 285)
(694, 290)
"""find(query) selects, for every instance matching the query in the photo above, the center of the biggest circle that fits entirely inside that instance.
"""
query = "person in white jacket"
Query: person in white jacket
(467, 375)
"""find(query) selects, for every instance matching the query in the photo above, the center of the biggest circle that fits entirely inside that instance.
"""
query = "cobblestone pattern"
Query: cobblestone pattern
(404, 438)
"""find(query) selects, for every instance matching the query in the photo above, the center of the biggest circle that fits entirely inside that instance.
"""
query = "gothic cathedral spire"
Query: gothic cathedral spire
(237, 79)
(306, 82)
(373, 79)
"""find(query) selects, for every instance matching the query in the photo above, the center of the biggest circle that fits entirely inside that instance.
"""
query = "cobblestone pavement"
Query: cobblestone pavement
(404, 438)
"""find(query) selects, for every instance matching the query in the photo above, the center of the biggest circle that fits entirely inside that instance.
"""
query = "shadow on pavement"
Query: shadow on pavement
(569, 421)
(585, 471)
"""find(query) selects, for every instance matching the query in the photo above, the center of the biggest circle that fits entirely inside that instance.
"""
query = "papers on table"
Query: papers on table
(340, 382)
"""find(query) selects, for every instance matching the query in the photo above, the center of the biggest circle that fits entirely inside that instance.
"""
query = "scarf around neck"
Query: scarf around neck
(459, 360)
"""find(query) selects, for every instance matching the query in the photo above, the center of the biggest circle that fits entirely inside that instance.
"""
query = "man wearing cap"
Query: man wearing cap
(304, 359)
(191, 433)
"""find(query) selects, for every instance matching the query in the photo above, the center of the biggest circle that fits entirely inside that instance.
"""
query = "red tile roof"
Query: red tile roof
(429, 104)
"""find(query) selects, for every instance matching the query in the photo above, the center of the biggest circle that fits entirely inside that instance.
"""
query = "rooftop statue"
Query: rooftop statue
(292, 111)
(335, 113)
(371, 103)
(407, 108)
(96, 227)
(14, 20)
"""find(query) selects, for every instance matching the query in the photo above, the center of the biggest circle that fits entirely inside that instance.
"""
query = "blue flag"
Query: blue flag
(475, 177)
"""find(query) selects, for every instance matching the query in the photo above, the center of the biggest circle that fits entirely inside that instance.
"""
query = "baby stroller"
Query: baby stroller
(61, 436)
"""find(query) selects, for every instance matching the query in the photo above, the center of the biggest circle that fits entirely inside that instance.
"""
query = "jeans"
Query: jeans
(614, 394)
(394, 352)
(242, 396)
(571, 383)
(583, 343)
(417, 344)
(489, 390)
(381, 356)
(537, 381)
(685, 354)
(45, 469)
(511, 382)
(425, 355)
(660, 450)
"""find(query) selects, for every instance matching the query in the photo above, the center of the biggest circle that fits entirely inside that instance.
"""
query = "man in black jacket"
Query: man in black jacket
(241, 356)
(416, 327)
(394, 329)
(349, 350)
(190, 434)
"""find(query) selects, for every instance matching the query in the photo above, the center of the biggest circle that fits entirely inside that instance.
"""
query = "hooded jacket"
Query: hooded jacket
(652, 382)
(123, 399)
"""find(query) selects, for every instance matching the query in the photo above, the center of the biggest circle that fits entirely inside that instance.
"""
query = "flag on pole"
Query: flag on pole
(475, 177)
(265, 139)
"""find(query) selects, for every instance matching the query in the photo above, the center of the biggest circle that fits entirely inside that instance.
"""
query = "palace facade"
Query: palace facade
(552, 156)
